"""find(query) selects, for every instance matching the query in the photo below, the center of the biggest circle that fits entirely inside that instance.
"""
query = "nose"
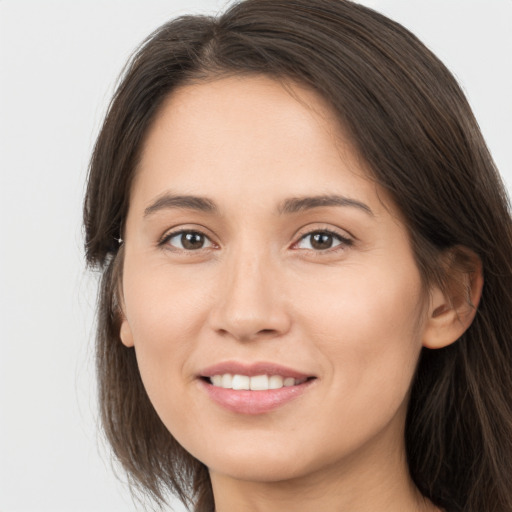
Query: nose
(251, 303)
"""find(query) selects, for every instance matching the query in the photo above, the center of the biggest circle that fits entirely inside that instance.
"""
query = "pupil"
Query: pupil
(321, 241)
(192, 240)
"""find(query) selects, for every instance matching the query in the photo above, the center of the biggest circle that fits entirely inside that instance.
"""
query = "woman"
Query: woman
(294, 212)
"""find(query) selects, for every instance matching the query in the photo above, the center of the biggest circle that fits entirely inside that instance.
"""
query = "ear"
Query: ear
(125, 331)
(453, 307)
(118, 306)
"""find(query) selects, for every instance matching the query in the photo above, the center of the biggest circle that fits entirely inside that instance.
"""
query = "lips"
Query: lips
(253, 388)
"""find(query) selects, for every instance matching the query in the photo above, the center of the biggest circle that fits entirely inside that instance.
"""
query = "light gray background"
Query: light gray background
(58, 64)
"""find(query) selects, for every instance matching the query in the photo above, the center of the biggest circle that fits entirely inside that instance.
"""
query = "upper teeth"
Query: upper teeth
(256, 383)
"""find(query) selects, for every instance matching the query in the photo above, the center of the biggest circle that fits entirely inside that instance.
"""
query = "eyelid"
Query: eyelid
(184, 228)
(345, 238)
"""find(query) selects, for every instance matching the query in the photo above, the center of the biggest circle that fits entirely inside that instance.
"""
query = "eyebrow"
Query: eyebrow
(299, 204)
(169, 201)
(288, 206)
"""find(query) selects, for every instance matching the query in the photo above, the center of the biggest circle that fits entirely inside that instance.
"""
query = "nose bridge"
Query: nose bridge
(250, 304)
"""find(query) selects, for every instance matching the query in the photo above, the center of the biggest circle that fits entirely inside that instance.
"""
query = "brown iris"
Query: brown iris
(192, 241)
(321, 241)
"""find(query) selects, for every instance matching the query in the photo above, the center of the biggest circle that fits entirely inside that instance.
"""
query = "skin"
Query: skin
(354, 315)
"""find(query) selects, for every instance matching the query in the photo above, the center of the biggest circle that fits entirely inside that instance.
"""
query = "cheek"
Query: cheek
(371, 303)
(161, 302)
(368, 329)
(165, 316)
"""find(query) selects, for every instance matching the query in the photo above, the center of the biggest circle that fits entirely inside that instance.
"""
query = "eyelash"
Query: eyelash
(344, 241)
(166, 238)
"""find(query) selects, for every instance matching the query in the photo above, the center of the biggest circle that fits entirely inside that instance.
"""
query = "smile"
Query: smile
(253, 388)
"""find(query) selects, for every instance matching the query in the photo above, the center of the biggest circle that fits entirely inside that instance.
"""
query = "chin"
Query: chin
(261, 461)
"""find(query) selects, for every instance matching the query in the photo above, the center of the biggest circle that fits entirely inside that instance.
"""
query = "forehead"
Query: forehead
(252, 137)
(230, 99)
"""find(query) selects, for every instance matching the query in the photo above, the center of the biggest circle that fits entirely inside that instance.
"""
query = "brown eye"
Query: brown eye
(322, 240)
(188, 240)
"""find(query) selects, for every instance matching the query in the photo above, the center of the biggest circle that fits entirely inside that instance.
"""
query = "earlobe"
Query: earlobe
(453, 308)
(125, 333)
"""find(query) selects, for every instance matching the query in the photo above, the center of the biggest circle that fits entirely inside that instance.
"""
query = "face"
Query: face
(260, 255)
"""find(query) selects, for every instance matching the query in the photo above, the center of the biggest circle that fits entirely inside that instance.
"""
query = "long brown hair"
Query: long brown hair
(411, 124)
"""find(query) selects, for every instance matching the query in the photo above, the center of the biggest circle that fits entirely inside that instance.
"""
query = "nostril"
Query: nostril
(248, 322)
